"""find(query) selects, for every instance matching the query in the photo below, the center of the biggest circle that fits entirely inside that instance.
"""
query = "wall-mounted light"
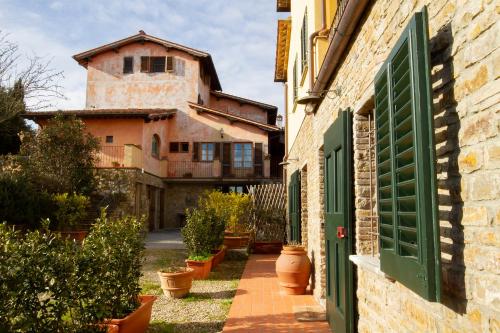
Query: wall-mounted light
(287, 161)
(221, 133)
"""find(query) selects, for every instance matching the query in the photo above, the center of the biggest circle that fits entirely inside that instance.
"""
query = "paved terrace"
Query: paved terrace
(259, 306)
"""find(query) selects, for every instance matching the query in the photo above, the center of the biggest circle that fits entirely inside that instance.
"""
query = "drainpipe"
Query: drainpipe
(340, 38)
(321, 33)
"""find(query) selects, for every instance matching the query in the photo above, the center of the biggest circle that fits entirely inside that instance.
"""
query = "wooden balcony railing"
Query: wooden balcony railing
(193, 169)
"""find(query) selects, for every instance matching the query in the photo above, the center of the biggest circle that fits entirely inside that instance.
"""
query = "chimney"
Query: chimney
(279, 121)
(141, 32)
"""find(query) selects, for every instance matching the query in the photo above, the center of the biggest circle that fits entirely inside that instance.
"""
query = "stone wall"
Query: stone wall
(125, 192)
(181, 196)
(464, 40)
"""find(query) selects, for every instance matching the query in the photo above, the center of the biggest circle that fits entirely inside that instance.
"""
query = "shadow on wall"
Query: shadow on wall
(447, 126)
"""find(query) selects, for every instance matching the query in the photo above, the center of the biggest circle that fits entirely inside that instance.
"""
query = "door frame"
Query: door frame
(345, 117)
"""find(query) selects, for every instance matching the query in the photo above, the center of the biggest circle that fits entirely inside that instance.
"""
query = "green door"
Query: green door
(338, 215)
(294, 207)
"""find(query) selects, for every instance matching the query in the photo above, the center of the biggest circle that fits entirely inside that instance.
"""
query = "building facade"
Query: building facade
(392, 159)
(167, 130)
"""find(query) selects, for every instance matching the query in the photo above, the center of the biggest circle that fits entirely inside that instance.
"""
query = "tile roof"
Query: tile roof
(231, 117)
(147, 114)
(282, 49)
(243, 100)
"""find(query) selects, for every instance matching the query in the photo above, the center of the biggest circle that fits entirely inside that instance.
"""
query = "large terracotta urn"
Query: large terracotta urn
(293, 268)
(176, 283)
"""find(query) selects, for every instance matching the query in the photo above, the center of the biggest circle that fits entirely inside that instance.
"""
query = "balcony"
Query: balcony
(132, 156)
(126, 156)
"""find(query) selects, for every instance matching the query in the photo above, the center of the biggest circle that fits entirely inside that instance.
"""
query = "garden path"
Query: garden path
(259, 306)
(165, 239)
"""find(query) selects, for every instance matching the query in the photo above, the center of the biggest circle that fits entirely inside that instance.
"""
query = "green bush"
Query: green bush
(234, 208)
(197, 232)
(21, 203)
(71, 210)
(50, 284)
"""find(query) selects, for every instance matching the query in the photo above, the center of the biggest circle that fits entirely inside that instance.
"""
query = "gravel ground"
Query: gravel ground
(205, 308)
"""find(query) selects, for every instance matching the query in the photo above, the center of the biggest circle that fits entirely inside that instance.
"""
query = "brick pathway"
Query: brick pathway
(259, 307)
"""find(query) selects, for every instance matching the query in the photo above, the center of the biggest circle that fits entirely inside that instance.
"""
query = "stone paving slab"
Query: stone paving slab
(165, 239)
(260, 307)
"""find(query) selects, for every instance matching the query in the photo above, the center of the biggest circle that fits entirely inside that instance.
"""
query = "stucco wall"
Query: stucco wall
(242, 110)
(108, 87)
(465, 70)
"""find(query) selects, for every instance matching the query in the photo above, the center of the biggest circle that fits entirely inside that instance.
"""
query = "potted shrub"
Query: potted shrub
(218, 222)
(238, 227)
(70, 212)
(176, 281)
(197, 237)
(270, 229)
(293, 268)
(112, 257)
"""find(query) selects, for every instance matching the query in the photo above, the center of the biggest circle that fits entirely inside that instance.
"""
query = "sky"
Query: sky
(239, 34)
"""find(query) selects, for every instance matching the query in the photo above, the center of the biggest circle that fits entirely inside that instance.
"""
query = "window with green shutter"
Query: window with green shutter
(407, 192)
(304, 43)
(294, 207)
(295, 83)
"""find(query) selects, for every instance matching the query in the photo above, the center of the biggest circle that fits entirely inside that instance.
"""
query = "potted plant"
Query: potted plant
(269, 228)
(197, 237)
(238, 229)
(112, 257)
(176, 281)
(293, 268)
(71, 210)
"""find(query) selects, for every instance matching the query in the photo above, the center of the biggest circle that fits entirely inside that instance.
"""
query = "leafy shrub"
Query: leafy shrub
(234, 208)
(21, 203)
(112, 256)
(71, 210)
(50, 284)
(197, 232)
(60, 157)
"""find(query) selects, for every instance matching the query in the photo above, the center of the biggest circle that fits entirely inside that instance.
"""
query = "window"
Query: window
(304, 43)
(295, 83)
(174, 147)
(242, 155)
(155, 146)
(128, 65)
(207, 151)
(156, 64)
(184, 147)
(109, 139)
(406, 178)
(179, 147)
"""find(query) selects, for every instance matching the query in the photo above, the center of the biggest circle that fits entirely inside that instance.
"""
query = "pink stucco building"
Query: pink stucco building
(160, 113)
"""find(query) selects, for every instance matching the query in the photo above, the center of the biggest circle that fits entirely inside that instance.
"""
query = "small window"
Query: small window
(157, 64)
(128, 65)
(184, 147)
(207, 151)
(174, 147)
(109, 139)
(155, 146)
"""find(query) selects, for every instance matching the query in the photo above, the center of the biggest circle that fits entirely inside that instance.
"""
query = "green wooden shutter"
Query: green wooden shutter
(407, 192)
(294, 207)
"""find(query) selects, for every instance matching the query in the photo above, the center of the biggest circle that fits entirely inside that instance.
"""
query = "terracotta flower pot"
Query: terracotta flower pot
(177, 284)
(267, 247)
(237, 241)
(137, 321)
(218, 256)
(293, 268)
(201, 268)
(76, 235)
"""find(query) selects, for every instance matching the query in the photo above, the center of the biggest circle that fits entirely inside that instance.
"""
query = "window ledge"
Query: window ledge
(368, 263)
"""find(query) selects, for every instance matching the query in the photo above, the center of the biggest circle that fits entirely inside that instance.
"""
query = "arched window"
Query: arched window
(155, 146)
